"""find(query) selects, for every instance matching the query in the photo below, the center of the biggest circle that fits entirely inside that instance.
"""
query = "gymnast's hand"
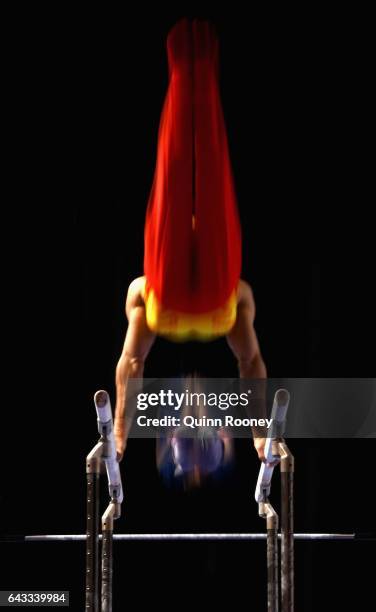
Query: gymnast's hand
(259, 444)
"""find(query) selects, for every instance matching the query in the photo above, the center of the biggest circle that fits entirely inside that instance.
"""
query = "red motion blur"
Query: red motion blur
(192, 267)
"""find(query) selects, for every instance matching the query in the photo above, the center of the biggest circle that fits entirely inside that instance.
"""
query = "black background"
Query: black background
(85, 95)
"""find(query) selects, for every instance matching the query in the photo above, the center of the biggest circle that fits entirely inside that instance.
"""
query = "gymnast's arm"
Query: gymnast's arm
(243, 342)
(137, 344)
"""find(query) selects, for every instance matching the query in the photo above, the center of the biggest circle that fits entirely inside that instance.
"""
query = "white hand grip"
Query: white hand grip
(104, 413)
(264, 480)
(103, 407)
(279, 411)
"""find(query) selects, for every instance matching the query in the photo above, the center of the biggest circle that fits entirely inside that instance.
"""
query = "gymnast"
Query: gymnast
(191, 287)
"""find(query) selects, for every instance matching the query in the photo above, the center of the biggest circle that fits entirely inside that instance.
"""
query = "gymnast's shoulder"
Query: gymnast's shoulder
(245, 295)
(135, 294)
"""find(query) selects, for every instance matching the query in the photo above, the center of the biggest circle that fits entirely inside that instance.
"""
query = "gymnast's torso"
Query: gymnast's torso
(180, 326)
